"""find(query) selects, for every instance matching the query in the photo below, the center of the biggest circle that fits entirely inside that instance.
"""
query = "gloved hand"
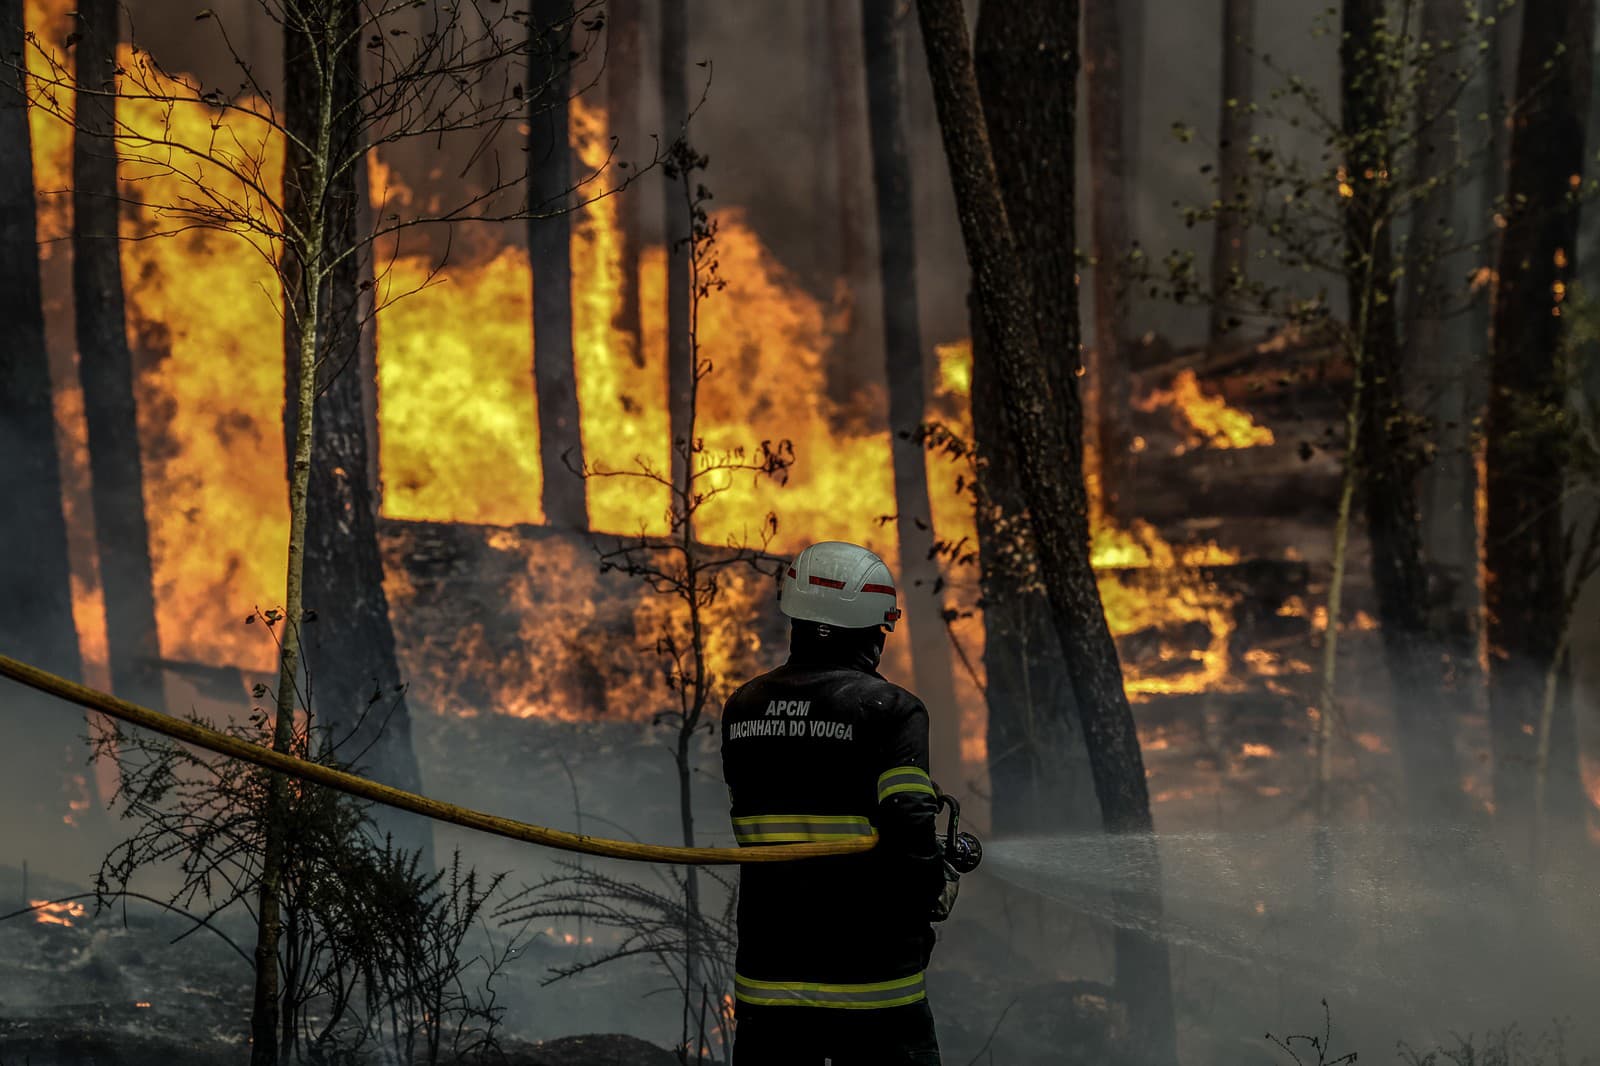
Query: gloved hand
(947, 898)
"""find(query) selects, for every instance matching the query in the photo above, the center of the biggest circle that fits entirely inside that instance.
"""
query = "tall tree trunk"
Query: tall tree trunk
(1026, 58)
(817, 258)
(623, 71)
(844, 77)
(902, 337)
(1443, 368)
(1525, 545)
(35, 577)
(1389, 453)
(349, 644)
(1110, 240)
(310, 89)
(1058, 507)
(105, 367)
(844, 130)
(1230, 255)
(674, 58)
(550, 251)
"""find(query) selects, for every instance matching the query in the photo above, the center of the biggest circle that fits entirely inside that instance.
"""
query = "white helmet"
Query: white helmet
(839, 584)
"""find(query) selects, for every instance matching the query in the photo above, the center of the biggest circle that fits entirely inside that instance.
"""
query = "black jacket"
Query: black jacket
(820, 749)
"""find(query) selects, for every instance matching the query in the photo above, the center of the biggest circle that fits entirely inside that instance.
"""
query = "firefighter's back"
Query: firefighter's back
(803, 753)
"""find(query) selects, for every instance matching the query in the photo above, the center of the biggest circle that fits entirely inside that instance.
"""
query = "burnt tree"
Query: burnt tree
(673, 63)
(35, 579)
(1059, 510)
(623, 68)
(1525, 549)
(1026, 57)
(348, 642)
(550, 254)
(902, 340)
(1230, 254)
(1389, 452)
(105, 368)
(1110, 241)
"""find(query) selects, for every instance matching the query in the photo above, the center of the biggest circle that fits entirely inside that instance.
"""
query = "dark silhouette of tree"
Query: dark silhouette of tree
(1443, 364)
(1526, 549)
(1389, 448)
(105, 367)
(1026, 57)
(35, 579)
(1111, 242)
(673, 63)
(1230, 251)
(349, 644)
(624, 69)
(845, 133)
(550, 252)
(902, 341)
(1059, 513)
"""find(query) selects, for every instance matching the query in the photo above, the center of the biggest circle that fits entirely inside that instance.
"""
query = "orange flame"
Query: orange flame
(1208, 420)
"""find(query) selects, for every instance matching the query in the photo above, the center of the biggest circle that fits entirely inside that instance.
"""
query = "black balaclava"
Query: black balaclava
(815, 644)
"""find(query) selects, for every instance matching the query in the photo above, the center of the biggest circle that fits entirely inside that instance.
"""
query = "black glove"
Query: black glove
(947, 898)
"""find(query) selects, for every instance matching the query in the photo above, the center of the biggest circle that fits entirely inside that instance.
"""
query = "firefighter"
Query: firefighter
(832, 951)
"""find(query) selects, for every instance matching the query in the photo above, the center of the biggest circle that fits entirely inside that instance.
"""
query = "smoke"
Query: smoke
(1419, 933)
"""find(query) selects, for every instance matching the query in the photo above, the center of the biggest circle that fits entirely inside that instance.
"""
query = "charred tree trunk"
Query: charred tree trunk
(1442, 365)
(1389, 453)
(1525, 544)
(1059, 512)
(348, 642)
(623, 69)
(902, 337)
(1230, 256)
(1111, 241)
(1026, 58)
(674, 58)
(35, 578)
(550, 252)
(105, 367)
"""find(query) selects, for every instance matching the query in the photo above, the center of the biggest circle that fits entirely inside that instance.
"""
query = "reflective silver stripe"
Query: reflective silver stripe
(800, 828)
(904, 779)
(895, 993)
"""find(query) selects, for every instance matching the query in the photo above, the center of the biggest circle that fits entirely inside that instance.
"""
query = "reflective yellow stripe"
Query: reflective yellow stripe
(800, 828)
(873, 996)
(904, 779)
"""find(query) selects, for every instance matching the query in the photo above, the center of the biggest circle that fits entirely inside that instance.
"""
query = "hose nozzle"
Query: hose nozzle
(962, 850)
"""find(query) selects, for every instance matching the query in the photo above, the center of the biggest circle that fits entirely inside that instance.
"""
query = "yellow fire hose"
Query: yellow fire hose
(202, 737)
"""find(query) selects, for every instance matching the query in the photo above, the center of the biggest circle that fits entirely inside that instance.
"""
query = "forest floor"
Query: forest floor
(1019, 974)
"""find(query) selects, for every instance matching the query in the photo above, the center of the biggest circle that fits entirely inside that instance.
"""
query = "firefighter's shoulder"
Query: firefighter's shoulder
(881, 698)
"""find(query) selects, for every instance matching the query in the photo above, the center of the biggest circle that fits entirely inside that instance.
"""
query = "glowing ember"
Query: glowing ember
(48, 912)
(1208, 420)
